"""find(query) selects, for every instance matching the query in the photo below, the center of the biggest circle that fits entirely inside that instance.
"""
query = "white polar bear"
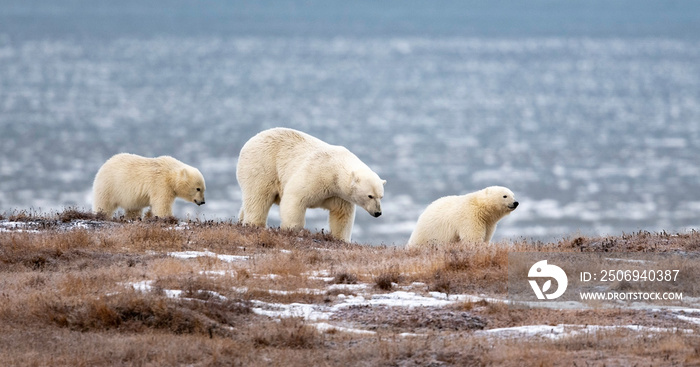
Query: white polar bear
(470, 218)
(133, 182)
(298, 171)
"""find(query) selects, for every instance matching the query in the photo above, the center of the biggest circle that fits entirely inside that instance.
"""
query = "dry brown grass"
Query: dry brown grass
(345, 278)
(386, 280)
(66, 299)
(290, 332)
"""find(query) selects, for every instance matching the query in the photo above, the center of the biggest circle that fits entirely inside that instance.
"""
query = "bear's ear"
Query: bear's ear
(183, 173)
(383, 182)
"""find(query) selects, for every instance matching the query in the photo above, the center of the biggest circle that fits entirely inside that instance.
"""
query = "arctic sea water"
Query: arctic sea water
(594, 125)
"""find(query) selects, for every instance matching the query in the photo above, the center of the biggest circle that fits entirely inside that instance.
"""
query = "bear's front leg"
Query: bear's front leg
(341, 218)
(107, 209)
(490, 230)
(132, 214)
(473, 234)
(292, 212)
(162, 208)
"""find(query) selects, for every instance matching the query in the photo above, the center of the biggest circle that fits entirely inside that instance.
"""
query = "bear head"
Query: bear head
(190, 185)
(496, 202)
(367, 191)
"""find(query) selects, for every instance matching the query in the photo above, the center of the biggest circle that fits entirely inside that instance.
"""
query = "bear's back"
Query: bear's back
(286, 141)
(279, 148)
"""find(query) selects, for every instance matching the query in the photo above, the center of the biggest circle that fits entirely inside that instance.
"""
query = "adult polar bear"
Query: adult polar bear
(133, 182)
(298, 171)
(469, 218)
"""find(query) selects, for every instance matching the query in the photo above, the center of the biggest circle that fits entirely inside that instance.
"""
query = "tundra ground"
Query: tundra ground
(77, 289)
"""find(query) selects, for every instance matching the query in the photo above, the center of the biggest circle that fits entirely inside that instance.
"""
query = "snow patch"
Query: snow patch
(7, 226)
(300, 290)
(309, 312)
(194, 254)
(147, 286)
(218, 272)
(567, 330)
(694, 320)
(348, 287)
(325, 327)
(143, 286)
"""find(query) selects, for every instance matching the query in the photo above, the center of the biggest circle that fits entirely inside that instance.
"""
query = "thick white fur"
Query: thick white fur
(298, 171)
(469, 218)
(133, 182)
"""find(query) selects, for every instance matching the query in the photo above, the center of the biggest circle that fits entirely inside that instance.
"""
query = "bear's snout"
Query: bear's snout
(514, 205)
(376, 214)
(199, 202)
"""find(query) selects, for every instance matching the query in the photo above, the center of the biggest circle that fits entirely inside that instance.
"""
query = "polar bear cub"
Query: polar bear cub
(298, 171)
(469, 218)
(133, 182)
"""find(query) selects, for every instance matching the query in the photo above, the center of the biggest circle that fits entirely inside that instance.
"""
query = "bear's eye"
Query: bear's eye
(198, 189)
(370, 196)
(504, 196)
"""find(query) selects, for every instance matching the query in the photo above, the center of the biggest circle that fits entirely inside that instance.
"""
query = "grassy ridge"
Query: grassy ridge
(70, 295)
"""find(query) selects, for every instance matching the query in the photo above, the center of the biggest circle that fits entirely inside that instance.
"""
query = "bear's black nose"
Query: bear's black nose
(376, 214)
(515, 204)
(201, 202)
